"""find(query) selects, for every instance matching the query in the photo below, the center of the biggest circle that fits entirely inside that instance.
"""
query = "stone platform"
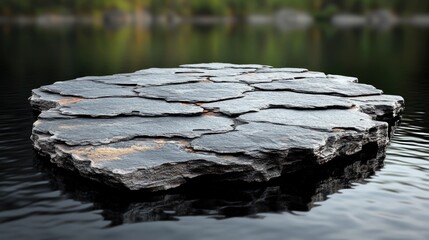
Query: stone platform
(156, 129)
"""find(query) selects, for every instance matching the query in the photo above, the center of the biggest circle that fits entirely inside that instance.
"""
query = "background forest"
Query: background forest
(237, 8)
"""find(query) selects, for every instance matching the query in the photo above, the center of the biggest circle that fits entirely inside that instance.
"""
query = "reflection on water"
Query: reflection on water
(293, 192)
(58, 54)
(363, 201)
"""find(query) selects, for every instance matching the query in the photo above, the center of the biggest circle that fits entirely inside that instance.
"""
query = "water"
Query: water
(374, 200)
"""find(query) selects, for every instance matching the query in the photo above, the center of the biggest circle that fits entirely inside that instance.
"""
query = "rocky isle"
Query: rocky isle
(158, 128)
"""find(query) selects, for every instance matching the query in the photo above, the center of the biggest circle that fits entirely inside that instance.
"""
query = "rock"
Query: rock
(344, 126)
(380, 107)
(255, 101)
(292, 70)
(88, 89)
(348, 20)
(329, 119)
(128, 106)
(54, 114)
(164, 71)
(42, 100)
(153, 164)
(151, 79)
(195, 92)
(343, 78)
(202, 72)
(293, 17)
(95, 131)
(156, 129)
(264, 139)
(222, 65)
(332, 86)
(266, 77)
(300, 191)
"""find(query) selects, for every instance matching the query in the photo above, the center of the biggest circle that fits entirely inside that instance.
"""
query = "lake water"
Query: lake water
(365, 200)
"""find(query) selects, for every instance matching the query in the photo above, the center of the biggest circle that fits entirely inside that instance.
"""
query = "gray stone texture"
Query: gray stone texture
(128, 106)
(156, 128)
(195, 92)
(94, 131)
(267, 77)
(331, 86)
(88, 89)
(255, 101)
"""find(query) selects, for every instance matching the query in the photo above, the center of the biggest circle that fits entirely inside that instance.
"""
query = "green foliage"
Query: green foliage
(320, 8)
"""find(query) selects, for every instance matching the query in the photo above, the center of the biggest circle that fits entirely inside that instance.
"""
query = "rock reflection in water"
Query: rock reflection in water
(299, 191)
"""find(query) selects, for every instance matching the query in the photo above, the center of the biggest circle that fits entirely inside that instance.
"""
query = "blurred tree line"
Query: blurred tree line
(318, 8)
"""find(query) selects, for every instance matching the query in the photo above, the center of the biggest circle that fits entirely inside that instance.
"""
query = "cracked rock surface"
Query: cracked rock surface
(332, 86)
(156, 128)
(195, 92)
(128, 106)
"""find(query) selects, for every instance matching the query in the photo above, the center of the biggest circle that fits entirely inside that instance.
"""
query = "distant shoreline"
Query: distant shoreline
(382, 18)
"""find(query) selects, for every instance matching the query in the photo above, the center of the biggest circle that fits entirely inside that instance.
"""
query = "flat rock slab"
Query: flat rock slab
(200, 72)
(150, 79)
(255, 101)
(128, 106)
(166, 161)
(95, 131)
(329, 119)
(195, 92)
(382, 106)
(156, 128)
(258, 138)
(88, 89)
(267, 77)
(290, 70)
(331, 86)
(222, 66)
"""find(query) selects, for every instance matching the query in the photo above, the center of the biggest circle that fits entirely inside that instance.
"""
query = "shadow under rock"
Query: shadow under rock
(212, 197)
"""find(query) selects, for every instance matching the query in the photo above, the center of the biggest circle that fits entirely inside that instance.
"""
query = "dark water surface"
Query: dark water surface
(365, 200)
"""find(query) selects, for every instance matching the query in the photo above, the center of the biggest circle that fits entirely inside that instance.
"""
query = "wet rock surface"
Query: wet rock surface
(157, 129)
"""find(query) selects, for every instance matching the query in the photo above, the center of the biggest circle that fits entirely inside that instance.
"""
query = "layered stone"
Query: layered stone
(255, 101)
(331, 86)
(157, 128)
(195, 92)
